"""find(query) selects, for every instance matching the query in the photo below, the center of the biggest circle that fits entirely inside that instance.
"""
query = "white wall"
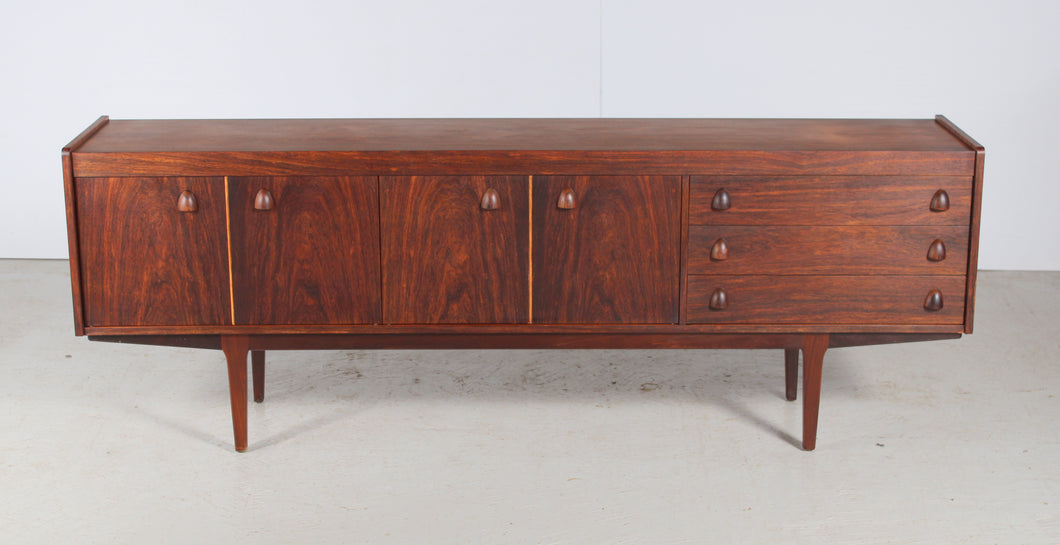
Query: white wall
(992, 67)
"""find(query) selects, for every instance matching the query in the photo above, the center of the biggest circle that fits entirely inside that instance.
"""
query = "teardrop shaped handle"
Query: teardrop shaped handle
(937, 250)
(566, 199)
(719, 300)
(933, 301)
(490, 200)
(721, 200)
(187, 202)
(719, 251)
(941, 201)
(263, 200)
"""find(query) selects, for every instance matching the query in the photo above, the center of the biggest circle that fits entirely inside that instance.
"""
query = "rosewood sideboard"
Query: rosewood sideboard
(256, 235)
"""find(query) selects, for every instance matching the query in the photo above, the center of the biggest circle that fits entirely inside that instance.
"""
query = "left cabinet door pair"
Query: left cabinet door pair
(154, 251)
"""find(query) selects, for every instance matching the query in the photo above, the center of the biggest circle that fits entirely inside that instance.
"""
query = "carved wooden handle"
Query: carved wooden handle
(933, 301)
(566, 199)
(263, 200)
(721, 200)
(186, 202)
(940, 202)
(490, 200)
(719, 300)
(937, 250)
(719, 251)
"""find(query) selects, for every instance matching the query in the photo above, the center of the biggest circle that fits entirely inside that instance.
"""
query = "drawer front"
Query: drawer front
(813, 300)
(828, 200)
(852, 250)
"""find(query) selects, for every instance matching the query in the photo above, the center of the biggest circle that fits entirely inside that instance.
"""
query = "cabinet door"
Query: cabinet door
(606, 249)
(455, 249)
(153, 251)
(305, 250)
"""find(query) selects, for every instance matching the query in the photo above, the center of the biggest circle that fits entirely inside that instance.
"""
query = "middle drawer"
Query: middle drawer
(804, 250)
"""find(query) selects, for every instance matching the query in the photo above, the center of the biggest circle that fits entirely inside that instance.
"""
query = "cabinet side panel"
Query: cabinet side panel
(71, 219)
(973, 242)
(448, 259)
(70, 191)
(143, 261)
(308, 253)
(608, 251)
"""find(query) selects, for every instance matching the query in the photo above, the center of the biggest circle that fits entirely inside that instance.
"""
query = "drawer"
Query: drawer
(828, 200)
(858, 250)
(846, 300)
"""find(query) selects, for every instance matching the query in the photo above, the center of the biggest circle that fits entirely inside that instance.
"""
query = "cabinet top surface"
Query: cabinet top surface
(249, 135)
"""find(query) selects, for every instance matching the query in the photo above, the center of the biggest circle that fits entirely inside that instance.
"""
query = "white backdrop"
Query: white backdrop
(992, 67)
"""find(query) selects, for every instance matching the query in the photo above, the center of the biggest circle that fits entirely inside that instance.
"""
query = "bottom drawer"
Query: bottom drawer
(861, 300)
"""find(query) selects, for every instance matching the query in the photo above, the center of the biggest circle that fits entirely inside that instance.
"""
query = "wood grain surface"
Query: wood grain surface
(524, 340)
(311, 259)
(143, 262)
(826, 299)
(70, 192)
(445, 259)
(831, 200)
(588, 330)
(799, 249)
(977, 204)
(522, 162)
(614, 257)
(191, 135)
(522, 147)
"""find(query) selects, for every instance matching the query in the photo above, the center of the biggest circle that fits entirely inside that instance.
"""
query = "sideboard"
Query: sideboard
(256, 235)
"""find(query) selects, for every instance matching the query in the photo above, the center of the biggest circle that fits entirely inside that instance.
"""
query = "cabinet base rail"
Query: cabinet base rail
(236, 349)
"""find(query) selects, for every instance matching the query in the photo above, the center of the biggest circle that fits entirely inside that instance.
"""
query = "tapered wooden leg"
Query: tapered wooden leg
(257, 367)
(813, 348)
(791, 373)
(235, 348)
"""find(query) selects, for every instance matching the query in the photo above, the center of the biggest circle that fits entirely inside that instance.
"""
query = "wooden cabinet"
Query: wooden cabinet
(255, 235)
(305, 249)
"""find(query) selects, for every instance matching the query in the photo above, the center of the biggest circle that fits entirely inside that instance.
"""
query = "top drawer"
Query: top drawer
(829, 200)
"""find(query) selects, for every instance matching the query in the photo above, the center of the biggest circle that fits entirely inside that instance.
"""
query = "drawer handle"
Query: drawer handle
(721, 200)
(719, 300)
(937, 250)
(566, 199)
(263, 200)
(719, 251)
(940, 202)
(490, 200)
(933, 301)
(186, 202)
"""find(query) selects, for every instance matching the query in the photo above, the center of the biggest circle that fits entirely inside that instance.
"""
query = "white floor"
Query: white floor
(944, 442)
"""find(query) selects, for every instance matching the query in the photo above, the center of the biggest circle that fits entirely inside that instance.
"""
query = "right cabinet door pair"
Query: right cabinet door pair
(508, 249)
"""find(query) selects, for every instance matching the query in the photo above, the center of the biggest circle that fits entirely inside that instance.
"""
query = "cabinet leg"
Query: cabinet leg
(813, 348)
(791, 373)
(257, 367)
(235, 348)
